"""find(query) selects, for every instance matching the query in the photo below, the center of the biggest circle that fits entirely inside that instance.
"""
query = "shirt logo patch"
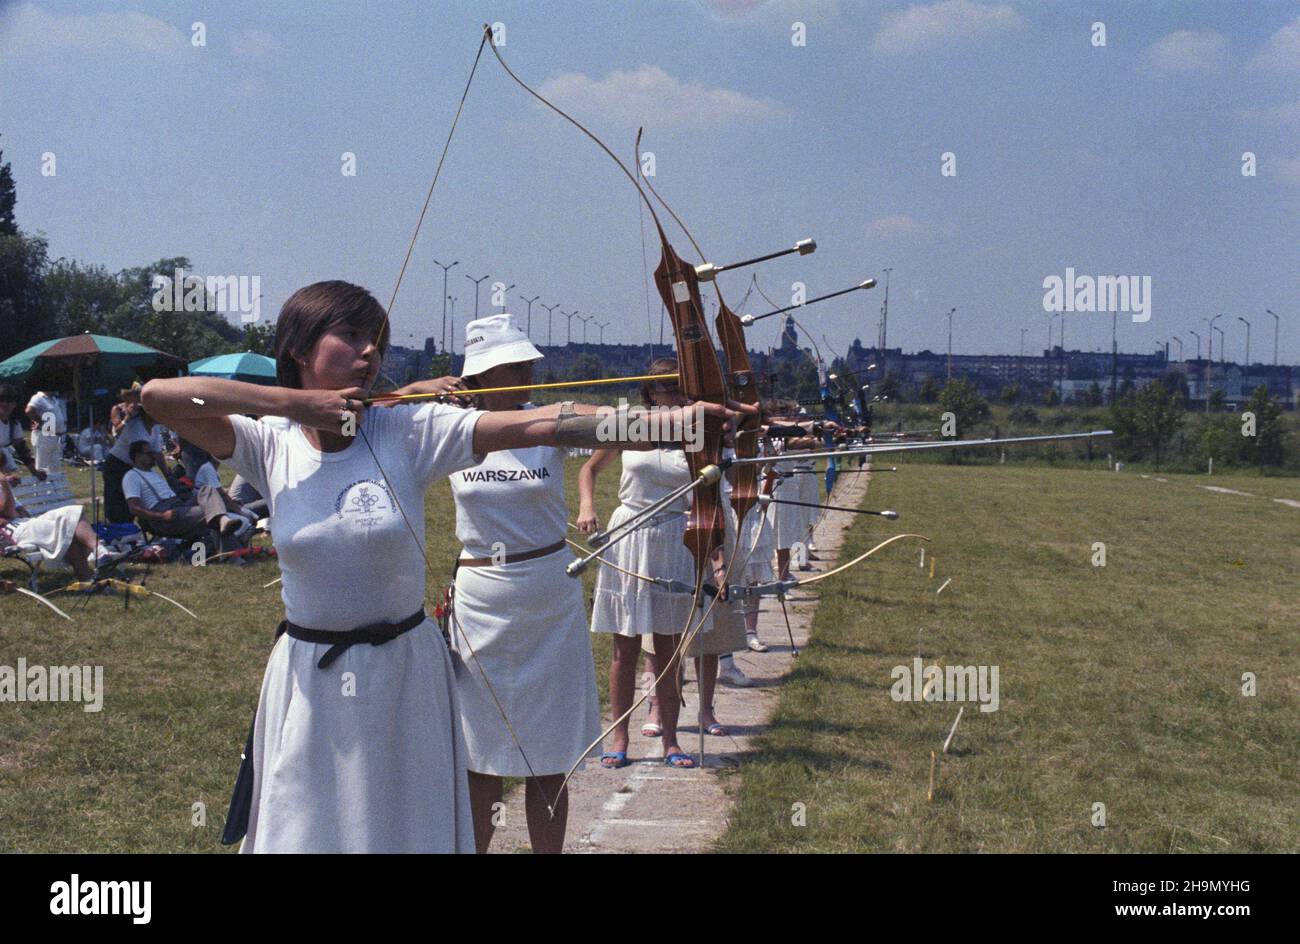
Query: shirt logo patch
(365, 502)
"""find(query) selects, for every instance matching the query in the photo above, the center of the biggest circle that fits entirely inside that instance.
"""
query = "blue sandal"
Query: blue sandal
(675, 757)
(618, 757)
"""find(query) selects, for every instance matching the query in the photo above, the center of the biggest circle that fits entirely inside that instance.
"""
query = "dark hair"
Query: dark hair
(137, 447)
(660, 365)
(9, 394)
(315, 309)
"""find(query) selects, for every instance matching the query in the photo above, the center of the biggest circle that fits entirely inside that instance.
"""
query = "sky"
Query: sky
(1118, 159)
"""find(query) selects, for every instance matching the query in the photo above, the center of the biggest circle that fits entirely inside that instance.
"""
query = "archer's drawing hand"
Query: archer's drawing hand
(329, 410)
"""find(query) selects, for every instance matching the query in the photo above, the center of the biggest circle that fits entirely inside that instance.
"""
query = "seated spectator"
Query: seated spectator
(139, 427)
(207, 476)
(13, 447)
(59, 534)
(153, 502)
(92, 442)
(247, 497)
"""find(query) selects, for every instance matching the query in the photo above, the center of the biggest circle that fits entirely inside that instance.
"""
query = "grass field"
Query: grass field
(1119, 685)
(179, 696)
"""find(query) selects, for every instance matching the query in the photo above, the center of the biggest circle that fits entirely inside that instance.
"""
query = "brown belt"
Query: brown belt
(510, 558)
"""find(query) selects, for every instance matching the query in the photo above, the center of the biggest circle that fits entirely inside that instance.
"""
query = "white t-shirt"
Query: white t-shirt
(514, 497)
(44, 403)
(134, 431)
(207, 475)
(347, 556)
(650, 475)
(11, 431)
(150, 487)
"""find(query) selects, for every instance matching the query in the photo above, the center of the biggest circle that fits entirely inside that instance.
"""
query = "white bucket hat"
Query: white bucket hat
(495, 340)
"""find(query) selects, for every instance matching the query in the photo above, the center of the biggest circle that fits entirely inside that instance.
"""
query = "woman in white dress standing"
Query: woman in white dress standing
(357, 743)
(629, 607)
(518, 621)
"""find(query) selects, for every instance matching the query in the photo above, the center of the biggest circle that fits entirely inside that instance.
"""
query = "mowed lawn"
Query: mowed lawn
(179, 694)
(1119, 685)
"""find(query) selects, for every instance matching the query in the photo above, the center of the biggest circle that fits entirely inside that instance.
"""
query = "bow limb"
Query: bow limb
(860, 558)
(131, 589)
(40, 599)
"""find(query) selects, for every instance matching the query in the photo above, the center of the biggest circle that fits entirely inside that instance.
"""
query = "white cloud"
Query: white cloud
(32, 31)
(1281, 53)
(938, 24)
(1284, 114)
(902, 227)
(787, 11)
(1189, 51)
(650, 96)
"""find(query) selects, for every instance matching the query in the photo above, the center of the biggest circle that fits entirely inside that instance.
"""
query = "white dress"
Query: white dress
(50, 533)
(366, 755)
(525, 622)
(628, 605)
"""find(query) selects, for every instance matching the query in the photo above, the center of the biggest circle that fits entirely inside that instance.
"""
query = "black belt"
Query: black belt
(340, 642)
(241, 799)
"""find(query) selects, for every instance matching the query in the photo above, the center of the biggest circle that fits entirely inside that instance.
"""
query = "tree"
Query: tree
(1147, 420)
(962, 398)
(1093, 396)
(929, 391)
(1268, 445)
(1051, 397)
(1011, 393)
(260, 339)
(888, 387)
(8, 199)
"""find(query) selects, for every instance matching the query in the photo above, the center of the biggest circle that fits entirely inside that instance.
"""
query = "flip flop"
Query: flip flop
(619, 758)
(651, 730)
(718, 731)
(668, 761)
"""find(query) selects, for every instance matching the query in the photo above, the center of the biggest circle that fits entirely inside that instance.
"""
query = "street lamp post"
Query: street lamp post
(1276, 322)
(452, 349)
(530, 301)
(1247, 324)
(950, 314)
(477, 282)
(1180, 347)
(584, 319)
(568, 332)
(1114, 354)
(602, 325)
(445, 270)
(1223, 344)
(550, 310)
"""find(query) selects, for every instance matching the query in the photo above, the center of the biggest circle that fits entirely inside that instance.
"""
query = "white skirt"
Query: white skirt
(630, 606)
(51, 533)
(47, 451)
(810, 492)
(758, 545)
(527, 625)
(364, 756)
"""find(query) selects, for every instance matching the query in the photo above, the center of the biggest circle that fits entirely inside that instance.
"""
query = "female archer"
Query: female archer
(357, 743)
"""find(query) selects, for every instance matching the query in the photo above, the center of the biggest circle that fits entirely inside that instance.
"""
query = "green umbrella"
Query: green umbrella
(96, 359)
(246, 366)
